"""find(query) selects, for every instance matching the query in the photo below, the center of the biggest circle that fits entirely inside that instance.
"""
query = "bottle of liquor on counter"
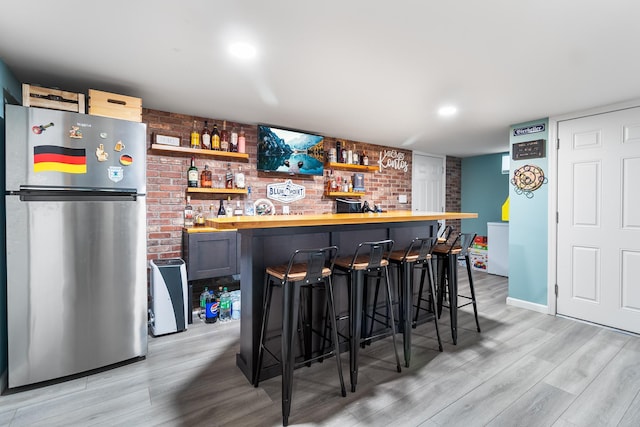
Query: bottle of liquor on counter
(240, 181)
(205, 137)
(215, 138)
(222, 212)
(248, 204)
(192, 174)
(224, 138)
(228, 183)
(225, 305)
(205, 178)
(199, 217)
(195, 136)
(188, 213)
(234, 140)
(212, 212)
(242, 142)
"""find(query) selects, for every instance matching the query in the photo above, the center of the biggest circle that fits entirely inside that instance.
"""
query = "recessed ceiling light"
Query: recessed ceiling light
(242, 50)
(447, 111)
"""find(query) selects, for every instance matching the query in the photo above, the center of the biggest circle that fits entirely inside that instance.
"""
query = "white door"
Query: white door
(598, 266)
(428, 183)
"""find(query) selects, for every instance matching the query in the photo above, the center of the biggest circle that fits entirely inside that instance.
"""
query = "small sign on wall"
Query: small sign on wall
(286, 192)
(528, 150)
(529, 129)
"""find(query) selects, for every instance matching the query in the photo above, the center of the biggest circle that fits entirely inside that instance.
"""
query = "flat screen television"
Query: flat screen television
(289, 151)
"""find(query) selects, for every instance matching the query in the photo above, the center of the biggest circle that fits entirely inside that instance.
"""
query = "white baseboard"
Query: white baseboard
(528, 305)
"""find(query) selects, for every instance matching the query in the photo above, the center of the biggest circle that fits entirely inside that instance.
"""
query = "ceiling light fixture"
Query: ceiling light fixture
(447, 111)
(242, 50)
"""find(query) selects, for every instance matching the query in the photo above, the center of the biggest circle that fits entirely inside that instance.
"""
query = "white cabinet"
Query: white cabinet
(498, 245)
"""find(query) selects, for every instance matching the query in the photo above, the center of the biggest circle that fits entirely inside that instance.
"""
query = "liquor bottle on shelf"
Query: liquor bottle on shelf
(238, 211)
(234, 140)
(228, 177)
(205, 178)
(199, 217)
(192, 174)
(349, 156)
(356, 161)
(248, 204)
(205, 137)
(188, 213)
(242, 142)
(240, 181)
(221, 210)
(215, 138)
(338, 157)
(224, 138)
(229, 208)
(195, 136)
(343, 154)
(334, 184)
(365, 158)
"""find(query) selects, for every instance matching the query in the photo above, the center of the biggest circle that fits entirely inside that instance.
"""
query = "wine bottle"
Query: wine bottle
(195, 136)
(205, 137)
(224, 138)
(215, 138)
(192, 174)
(221, 211)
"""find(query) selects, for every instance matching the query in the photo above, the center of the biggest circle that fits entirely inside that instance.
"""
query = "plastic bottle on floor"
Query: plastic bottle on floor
(203, 301)
(225, 305)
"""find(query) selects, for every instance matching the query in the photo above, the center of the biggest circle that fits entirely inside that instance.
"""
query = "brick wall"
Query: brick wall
(167, 180)
(453, 185)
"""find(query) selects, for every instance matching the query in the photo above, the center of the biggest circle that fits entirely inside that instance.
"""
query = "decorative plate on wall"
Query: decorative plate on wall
(264, 207)
(528, 178)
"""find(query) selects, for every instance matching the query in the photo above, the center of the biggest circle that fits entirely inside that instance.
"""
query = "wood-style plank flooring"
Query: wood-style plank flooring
(524, 369)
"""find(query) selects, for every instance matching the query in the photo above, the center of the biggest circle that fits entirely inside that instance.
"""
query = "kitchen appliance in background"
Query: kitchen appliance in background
(76, 243)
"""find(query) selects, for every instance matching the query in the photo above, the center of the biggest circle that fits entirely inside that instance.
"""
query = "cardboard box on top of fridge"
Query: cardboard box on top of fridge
(56, 99)
(108, 104)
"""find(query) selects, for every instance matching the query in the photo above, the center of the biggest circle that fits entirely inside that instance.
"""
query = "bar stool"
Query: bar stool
(371, 260)
(307, 268)
(416, 256)
(449, 254)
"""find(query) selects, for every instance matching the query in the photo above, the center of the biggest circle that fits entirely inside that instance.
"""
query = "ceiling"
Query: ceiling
(363, 70)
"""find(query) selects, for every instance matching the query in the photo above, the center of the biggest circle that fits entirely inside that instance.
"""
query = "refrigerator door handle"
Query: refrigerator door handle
(40, 195)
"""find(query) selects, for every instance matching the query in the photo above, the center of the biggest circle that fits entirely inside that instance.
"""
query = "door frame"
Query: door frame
(444, 175)
(552, 232)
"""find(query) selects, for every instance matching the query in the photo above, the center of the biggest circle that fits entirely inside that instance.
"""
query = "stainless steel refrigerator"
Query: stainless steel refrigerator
(76, 243)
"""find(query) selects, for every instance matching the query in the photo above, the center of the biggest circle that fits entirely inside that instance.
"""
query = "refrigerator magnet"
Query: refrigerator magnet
(115, 173)
(75, 132)
(126, 159)
(101, 154)
(119, 146)
(38, 129)
(103, 135)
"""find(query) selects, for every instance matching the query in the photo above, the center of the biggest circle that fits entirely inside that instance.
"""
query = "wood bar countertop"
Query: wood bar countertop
(275, 221)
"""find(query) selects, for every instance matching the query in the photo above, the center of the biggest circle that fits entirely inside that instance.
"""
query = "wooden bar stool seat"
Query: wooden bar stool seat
(306, 269)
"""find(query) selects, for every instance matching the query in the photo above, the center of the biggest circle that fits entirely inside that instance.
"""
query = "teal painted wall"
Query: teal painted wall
(11, 92)
(484, 189)
(528, 226)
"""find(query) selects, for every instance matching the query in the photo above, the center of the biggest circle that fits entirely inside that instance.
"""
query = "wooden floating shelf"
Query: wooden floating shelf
(201, 152)
(349, 167)
(344, 194)
(217, 190)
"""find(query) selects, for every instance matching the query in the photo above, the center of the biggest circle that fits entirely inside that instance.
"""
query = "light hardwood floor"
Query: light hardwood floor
(524, 369)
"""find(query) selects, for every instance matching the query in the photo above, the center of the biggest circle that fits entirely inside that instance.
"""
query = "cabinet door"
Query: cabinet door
(211, 254)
